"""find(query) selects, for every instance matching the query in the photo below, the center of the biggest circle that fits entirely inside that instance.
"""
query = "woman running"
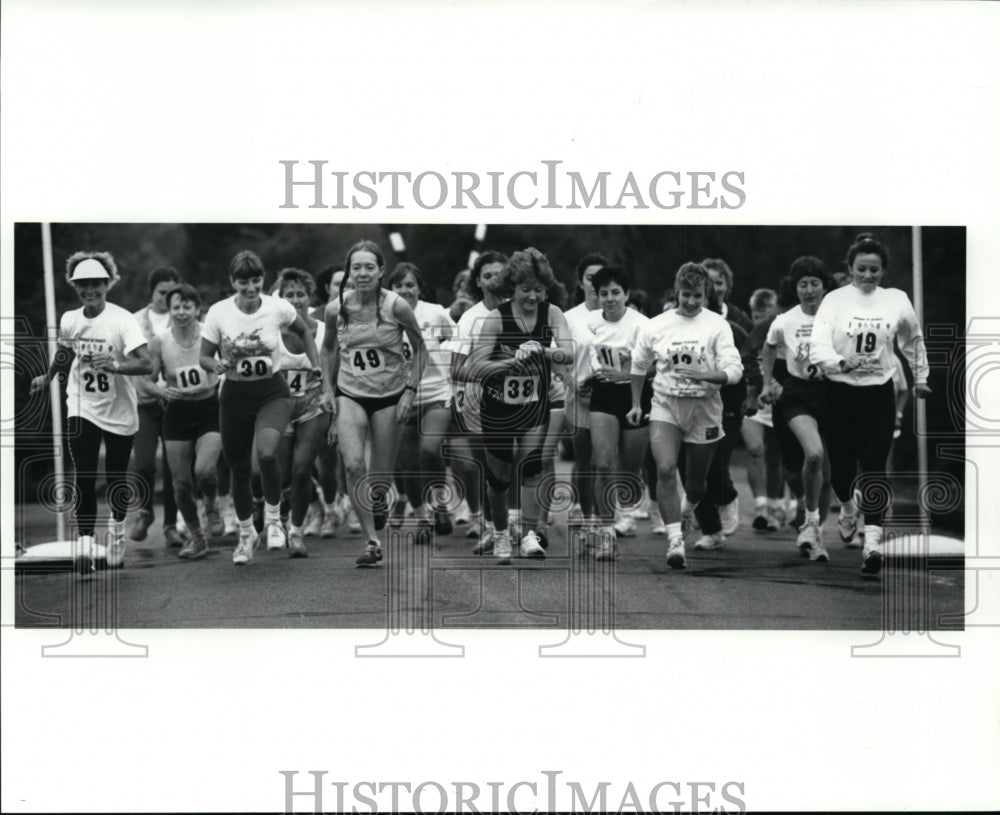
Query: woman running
(375, 385)
(307, 429)
(695, 355)
(513, 356)
(101, 348)
(469, 461)
(255, 402)
(425, 431)
(619, 446)
(190, 418)
(852, 342)
(802, 398)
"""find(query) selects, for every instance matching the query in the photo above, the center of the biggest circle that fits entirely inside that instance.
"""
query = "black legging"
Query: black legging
(860, 422)
(84, 447)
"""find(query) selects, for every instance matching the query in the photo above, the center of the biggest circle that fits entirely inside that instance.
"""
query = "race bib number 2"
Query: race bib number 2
(253, 367)
(519, 390)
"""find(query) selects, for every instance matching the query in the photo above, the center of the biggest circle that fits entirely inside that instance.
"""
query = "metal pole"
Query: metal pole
(919, 406)
(54, 393)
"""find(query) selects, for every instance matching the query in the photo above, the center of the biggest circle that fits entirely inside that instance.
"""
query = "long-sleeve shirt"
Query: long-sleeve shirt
(704, 341)
(854, 323)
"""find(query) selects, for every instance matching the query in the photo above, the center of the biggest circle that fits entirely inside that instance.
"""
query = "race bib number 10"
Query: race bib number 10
(519, 390)
(253, 367)
(190, 378)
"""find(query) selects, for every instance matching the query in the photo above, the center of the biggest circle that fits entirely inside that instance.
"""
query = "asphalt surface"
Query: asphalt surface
(758, 582)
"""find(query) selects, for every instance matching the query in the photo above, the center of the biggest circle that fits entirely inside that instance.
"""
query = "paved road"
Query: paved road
(757, 582)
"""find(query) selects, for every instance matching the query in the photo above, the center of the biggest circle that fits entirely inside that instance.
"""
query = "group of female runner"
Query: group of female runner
(416, 404)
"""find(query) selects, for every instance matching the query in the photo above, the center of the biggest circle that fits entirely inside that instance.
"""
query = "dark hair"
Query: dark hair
(712, 300)
(809, 266)
(867, 244)
(400, 273)
(640, 299)
(244, 265)
(593, 259)
(362, 246)
(612, 274)
(720, 266)
(294, 276)
(187, 292)
(477, 268)
(692, 275)
(530, 264)
(763, 298)
(162, 274)
(787, 297)
(323, 278)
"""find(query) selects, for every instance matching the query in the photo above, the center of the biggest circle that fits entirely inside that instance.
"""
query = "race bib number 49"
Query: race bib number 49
(519, 390)
(253, 367)
(366, 359)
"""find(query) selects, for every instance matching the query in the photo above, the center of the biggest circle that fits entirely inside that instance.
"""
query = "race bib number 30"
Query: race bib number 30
(519, 390)
(253, 367)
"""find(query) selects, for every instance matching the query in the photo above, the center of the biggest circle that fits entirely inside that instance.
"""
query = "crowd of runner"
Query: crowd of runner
(303, 407)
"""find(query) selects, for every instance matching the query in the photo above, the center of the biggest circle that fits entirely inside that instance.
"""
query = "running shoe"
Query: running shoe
(626, 526)
(313, 523)
(213, 520)
(275, 536)
(115, 552)
(711, 543)
(729, 515)
(531, 545)
(442, 522)
(484, 546)
(228, 515)
(502, 549)
(641, 514)
(871, 556)
(196, 547)
(819, 553)
(353, 524)
(603, 544)
(243, 553)
(776, 518)
(328, 529)
(172, 535)
(296, 545)
(808, 539)
(847, 526)
(675, 554)
(140, 528)
(372, 555)
(760, 520)
(475, 529)
(84, 554)
(658, 527)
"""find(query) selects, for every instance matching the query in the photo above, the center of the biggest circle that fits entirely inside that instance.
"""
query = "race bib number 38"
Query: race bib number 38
(519, 390)
(253, 367)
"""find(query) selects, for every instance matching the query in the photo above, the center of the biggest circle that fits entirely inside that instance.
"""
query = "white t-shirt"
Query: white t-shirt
(297, 367)
(850, 321)
(791, 333)
(611, 343)
(704, 341)
(251, 342)
(106, 399)
(436, 327)
(152, 323)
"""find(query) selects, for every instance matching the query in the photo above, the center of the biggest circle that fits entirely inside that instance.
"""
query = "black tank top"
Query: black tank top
(523, 390)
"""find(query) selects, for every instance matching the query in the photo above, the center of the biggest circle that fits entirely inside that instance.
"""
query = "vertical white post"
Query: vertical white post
(919, 406)
(54, 394)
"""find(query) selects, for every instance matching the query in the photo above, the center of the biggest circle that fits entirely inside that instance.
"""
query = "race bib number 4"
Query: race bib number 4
(519, 390)
(189, 379)
(253, 367)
